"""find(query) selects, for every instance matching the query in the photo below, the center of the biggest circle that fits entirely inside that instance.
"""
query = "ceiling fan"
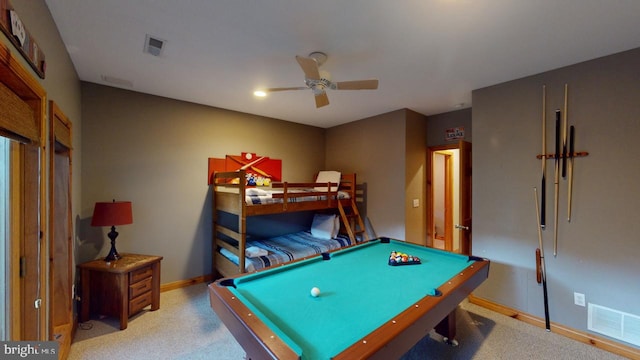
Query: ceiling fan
(318, 81)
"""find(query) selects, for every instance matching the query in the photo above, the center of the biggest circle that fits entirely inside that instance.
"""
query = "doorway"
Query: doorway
(449, 190)
(445, 206)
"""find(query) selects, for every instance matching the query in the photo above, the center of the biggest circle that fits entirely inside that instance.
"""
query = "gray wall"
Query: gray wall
(153, 151)
(438, 123)
(598, 250)
(374, 149)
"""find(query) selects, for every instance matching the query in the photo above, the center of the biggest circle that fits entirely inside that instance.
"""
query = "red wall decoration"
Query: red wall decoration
(261, 170)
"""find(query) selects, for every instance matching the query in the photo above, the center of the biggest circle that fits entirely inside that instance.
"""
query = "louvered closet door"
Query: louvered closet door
(61, 242)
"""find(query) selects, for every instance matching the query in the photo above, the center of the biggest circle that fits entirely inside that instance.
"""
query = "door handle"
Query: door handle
(461, 227)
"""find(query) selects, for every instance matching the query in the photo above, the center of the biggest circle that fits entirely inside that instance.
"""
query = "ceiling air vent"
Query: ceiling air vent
(153, 45)
(116, 81)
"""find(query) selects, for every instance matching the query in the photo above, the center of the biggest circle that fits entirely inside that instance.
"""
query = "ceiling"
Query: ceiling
(428, 55)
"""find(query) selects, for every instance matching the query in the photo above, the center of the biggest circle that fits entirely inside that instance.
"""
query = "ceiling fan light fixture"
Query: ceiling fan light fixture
(318, 81)
(324, 74)
(319, 57)
(318, 90)
(260, 93)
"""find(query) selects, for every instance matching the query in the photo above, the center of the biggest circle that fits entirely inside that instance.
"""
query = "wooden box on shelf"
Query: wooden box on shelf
(119, 288)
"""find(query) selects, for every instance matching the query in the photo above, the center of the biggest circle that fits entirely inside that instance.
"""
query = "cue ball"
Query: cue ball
(315, 292)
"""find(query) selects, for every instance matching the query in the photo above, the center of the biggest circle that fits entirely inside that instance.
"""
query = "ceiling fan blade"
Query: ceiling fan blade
(286, 88)
(322, 100)
(309, 66)
(357, 85)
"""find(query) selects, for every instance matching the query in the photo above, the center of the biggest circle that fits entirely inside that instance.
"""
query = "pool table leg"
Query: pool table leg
(447, 328)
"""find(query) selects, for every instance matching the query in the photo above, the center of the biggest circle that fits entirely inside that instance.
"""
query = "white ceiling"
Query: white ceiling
(428, 55)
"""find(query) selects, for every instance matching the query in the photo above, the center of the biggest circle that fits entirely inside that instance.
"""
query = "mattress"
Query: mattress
(285, 248)
(257, 196)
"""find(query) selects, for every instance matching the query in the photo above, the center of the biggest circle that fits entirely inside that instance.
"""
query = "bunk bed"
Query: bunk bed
(232, 247)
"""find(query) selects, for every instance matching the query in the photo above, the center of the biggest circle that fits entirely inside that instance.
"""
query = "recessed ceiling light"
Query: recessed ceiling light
(259, 93)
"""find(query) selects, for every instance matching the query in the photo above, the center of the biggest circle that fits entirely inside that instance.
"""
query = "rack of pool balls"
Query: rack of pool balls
(398, 258)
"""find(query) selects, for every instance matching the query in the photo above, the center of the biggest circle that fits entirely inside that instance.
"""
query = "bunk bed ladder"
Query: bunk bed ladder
(352, 222)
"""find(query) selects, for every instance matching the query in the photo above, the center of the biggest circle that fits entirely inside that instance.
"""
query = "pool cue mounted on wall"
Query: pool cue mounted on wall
(541, 270)
(564, 164)
(570, 179)
(565, 115)
(543, 188)
(565, 152)
(556, 184)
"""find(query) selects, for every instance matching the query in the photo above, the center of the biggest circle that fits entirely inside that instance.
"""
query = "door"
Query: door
(465, 198)
(61, 225)
(449, 191)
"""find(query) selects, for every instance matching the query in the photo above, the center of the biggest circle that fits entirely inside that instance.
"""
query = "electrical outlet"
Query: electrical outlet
(416, 203)
(578, 299)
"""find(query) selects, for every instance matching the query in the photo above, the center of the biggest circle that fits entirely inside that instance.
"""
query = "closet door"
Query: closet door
(61, 239)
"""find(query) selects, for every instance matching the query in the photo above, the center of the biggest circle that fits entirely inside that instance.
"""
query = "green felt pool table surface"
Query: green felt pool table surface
(360, 295)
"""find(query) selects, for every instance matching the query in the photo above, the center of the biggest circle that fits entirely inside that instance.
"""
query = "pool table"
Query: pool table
(366, 308)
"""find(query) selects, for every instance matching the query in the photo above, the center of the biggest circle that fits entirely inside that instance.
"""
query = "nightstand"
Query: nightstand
(119, 288)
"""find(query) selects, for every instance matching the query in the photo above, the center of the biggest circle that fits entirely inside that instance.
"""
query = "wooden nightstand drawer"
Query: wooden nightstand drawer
(140, 274)
(119, 288)
(140, 288)
(138, 303)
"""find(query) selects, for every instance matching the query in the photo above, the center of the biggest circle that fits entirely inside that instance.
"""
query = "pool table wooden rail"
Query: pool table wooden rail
(391, 340)
(255, 337)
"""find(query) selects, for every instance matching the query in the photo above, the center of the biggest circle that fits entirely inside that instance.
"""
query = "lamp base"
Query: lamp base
(113, 253)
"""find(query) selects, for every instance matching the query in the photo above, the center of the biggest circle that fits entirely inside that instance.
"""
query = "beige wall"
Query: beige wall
(390, 162)
(374, 148)
(415, 178)
(153, 151)
(598, 250)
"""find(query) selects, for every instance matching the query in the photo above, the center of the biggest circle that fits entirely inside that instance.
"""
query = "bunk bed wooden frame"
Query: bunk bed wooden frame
(229, 195)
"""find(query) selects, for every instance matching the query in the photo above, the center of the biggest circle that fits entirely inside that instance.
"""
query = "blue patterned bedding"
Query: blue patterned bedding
(286, 248)
(258, 196)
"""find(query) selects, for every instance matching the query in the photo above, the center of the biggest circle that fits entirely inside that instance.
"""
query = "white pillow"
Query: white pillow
(336, 227)
(327, 176)
(323, 226)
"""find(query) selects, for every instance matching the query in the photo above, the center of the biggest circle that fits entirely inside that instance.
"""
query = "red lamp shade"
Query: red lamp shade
(112, 213)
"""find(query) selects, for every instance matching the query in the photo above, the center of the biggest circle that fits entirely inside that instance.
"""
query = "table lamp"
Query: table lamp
(112, 214)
